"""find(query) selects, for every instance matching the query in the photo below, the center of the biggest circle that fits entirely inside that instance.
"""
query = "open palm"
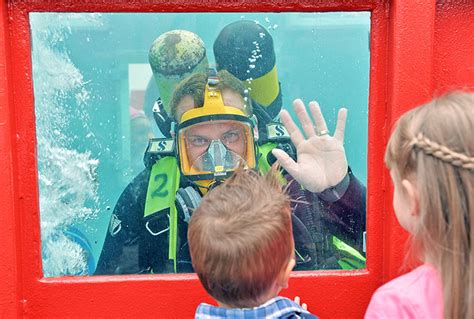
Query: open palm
(321, 158)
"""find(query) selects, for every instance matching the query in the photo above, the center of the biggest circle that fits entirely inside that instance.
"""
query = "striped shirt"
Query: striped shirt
(278, 307)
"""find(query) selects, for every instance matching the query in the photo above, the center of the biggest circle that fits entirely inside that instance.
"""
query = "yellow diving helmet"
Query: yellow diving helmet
(213, 140)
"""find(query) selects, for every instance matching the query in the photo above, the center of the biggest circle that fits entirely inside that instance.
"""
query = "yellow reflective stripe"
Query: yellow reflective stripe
(264, 89)
(340, 245)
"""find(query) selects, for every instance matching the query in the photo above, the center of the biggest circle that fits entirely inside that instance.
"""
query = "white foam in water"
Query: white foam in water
(67, 178)
(62, 256)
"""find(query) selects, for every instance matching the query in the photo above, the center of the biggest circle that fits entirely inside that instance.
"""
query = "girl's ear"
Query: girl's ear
(412, 197)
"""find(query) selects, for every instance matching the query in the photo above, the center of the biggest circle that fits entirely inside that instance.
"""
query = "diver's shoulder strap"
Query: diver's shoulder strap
(272, 132)
(158, 148)
(162, 185)
(349, 257)
(263, 158)
(266, 159)
(160, 201)
(273, 136)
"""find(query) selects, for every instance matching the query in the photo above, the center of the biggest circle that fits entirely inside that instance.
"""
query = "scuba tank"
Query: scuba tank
(173, 56)
(245, 49)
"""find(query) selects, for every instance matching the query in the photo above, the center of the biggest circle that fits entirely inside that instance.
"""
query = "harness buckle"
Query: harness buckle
(158, 232)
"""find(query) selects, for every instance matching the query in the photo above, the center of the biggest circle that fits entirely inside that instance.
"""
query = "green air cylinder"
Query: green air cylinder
(173, 56)
(245, 49)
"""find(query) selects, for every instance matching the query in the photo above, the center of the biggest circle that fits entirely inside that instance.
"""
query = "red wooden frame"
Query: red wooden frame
(401, 76)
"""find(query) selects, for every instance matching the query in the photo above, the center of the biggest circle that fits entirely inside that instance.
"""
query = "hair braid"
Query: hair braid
(442, 152)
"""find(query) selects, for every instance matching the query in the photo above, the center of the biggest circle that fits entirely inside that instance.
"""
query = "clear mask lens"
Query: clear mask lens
(218, 158)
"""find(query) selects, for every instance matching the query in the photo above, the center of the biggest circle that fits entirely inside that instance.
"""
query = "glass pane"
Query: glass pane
(94, 97)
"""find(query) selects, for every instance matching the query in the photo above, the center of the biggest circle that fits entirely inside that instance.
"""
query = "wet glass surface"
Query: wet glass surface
(94, 93)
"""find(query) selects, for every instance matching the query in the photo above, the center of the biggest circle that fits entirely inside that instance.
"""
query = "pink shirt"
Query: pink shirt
(418, 294)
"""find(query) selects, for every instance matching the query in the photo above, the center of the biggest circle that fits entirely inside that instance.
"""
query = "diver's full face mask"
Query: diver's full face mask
(216, 147)
(213, 140)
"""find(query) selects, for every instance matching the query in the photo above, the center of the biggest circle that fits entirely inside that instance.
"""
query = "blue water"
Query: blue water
(81, 86)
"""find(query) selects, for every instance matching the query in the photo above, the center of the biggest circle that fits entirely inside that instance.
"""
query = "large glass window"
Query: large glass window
(94, 97)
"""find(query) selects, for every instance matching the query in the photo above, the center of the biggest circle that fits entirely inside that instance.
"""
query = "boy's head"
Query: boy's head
(240, 239)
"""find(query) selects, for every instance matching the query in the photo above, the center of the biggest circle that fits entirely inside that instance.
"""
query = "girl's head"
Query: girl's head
(431, 160)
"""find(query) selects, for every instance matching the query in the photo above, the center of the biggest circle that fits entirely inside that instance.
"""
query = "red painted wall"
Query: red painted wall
(453, 61)
(10, 287)
(417, 50)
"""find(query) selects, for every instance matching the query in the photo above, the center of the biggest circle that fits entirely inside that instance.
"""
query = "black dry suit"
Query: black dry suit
(148, 227)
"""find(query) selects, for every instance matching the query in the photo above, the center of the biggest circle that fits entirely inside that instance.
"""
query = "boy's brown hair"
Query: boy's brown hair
(240, 237)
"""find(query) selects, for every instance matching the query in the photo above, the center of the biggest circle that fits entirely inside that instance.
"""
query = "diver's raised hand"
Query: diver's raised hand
(322, 159)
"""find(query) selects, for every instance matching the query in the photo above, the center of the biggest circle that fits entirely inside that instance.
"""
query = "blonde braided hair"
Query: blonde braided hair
(440, 132)
(442, 152)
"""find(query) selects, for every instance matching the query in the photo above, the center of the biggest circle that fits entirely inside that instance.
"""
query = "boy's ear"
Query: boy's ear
(411, 193)
(285, 273)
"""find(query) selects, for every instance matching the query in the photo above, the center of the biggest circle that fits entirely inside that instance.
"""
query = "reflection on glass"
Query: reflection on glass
(106, 207)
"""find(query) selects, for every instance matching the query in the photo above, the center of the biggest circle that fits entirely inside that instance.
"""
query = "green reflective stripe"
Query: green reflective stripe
(299, 255)
(162, 186)
(339, 244)
(161, 195)
(173, 236)
(350, 264)
(263, 164)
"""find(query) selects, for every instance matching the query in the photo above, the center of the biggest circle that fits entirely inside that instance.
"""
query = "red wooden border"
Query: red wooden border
(10, 289)
(410, 83)
(400, 56)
